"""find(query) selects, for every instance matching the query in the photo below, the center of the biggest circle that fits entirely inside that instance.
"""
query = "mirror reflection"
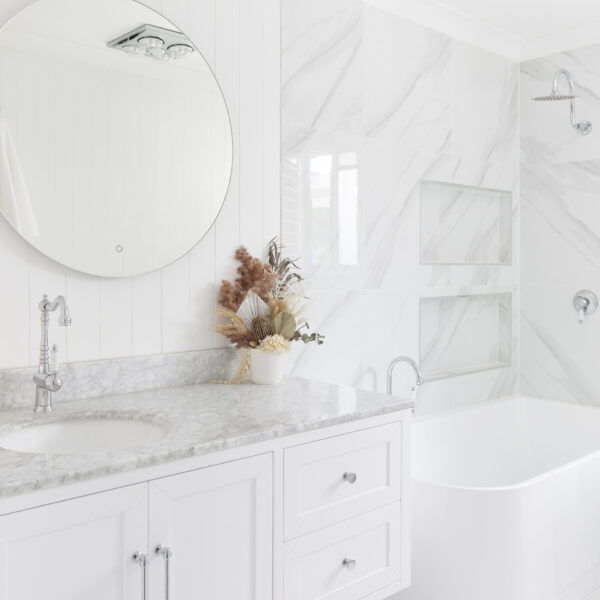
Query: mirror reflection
(117, 139)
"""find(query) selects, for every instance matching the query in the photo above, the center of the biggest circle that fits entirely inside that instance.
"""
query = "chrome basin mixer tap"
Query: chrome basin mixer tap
(46, 379)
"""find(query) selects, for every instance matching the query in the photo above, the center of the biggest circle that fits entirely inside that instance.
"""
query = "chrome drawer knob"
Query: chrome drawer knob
(349, 563)
(350, 477)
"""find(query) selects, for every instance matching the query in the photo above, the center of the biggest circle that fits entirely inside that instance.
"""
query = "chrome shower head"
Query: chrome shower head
(583, 127)
(553, 97)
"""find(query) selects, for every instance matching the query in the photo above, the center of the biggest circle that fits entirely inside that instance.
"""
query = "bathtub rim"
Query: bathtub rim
(513, 486)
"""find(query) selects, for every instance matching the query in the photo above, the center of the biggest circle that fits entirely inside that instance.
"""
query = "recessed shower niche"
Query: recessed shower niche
(462, 224)
(465, 334)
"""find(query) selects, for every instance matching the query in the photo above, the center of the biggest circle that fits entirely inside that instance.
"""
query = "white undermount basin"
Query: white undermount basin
(81, 436)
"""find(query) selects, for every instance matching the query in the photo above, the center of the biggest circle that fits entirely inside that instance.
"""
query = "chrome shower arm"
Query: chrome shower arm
(569, 79)
(571, 85)
(582, 127)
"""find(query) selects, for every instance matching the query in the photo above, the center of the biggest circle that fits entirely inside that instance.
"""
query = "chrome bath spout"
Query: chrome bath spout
(419, 377)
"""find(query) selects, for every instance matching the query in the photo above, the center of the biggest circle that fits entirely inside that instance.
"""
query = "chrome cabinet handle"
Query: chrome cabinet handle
(349, 563)
(143, 560)
(167, 554)
(349, 477)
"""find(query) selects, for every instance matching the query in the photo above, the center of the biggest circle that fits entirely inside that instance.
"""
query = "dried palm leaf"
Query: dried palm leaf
(285, 325)
(253, 306)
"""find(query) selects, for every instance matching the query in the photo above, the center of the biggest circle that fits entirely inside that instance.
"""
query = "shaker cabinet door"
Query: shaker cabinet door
(217, 523)
(76, 549)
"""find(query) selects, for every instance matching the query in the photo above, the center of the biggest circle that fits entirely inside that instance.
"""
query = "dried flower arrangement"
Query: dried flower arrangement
(264, 305)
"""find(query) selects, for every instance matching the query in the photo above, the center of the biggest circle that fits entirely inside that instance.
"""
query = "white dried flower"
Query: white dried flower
(275, 343)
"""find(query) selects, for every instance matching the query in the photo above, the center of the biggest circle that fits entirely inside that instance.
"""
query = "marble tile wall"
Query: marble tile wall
(560, 230)
(372, 104)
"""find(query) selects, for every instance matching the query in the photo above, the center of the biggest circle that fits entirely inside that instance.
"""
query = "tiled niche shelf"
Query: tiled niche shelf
(465, 334)
(464, 225)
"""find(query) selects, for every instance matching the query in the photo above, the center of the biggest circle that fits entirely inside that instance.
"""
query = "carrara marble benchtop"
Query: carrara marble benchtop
(197, 419)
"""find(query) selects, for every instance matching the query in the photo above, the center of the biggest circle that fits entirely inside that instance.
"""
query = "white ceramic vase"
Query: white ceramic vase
(266, 368)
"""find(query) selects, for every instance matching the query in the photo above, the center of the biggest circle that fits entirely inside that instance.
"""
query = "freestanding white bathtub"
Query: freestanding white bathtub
(506, 503)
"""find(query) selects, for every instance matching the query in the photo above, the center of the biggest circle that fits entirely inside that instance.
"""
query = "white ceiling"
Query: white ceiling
(528, 19)
(517, 29)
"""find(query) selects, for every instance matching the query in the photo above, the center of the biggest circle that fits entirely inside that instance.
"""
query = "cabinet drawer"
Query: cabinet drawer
(315, 566)
(316, 494)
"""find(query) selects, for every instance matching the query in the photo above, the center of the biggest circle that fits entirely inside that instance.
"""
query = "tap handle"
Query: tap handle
(54, 361)
(585, 303)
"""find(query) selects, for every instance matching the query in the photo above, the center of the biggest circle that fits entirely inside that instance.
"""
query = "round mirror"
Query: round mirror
(115, 140)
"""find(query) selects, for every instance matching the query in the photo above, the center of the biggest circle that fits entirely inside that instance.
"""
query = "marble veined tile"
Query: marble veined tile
(407, 80)
(364, 331)
(320, 65)
(485, 104)
(360, 70)
(372, 105)
(560, 223)
(559, 359)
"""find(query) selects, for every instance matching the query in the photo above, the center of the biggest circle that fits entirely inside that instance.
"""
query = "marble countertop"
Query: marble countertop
(197, 419)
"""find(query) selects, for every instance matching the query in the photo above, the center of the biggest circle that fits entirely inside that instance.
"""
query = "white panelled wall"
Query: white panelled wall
(170, 310)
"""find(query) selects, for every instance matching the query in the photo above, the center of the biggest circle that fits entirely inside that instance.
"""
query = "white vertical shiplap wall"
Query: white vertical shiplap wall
(171, 310)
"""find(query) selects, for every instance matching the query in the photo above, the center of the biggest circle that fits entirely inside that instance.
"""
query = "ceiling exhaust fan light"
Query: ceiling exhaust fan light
(180, 50)
(149, 42)
(159, 54)
(158, 43)
(133, 48)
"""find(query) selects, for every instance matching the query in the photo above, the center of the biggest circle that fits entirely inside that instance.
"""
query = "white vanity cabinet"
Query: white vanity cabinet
(319, 515)
(77, 549)
(218, 523)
